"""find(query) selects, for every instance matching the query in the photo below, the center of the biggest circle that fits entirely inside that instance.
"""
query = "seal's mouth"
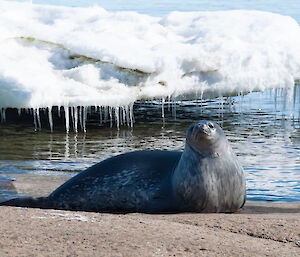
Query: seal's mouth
(202, 131)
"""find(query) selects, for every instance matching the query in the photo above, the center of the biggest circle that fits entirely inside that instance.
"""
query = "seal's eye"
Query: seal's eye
(211, 125)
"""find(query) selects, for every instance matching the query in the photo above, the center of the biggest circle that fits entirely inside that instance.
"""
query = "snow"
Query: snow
(87, 56)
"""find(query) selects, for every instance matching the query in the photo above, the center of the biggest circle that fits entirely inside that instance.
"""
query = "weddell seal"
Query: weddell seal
(205, 177)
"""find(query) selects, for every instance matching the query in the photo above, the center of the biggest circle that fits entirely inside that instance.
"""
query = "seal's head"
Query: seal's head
(205, 137)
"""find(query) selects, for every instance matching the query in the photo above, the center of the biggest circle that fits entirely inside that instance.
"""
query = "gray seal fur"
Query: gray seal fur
(205, 177)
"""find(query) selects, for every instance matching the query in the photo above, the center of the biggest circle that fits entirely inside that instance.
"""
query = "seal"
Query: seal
(205, 177)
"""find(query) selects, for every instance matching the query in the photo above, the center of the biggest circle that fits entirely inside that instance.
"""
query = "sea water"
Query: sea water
(155, 66)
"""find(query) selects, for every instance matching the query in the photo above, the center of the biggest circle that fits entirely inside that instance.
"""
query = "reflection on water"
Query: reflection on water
(263, 128)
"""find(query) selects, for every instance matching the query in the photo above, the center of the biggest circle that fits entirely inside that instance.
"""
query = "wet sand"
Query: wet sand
(259, 229)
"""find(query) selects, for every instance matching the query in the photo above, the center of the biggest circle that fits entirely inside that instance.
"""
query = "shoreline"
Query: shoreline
(259, 229)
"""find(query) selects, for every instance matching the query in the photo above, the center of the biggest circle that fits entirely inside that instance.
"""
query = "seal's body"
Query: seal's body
(132, 182)
(205, 177)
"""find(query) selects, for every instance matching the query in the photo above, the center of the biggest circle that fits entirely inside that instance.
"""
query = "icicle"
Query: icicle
(163, 109)
(84, 118)
(34, 119)
(294, 97)
(100, 115)
(105, 114)
(50, 118)
(117, 117)
(58, 112)
(38, 118)
(131, 115)
(80, 117)
(67, 118)
(75, 119)
(3, 115)
(127, 115)
(72, 118)
(124, 115)
(110, 116)
(121, 116)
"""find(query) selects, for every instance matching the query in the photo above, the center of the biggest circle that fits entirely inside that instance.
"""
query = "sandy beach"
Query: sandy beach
(259, 229)
(84, 81)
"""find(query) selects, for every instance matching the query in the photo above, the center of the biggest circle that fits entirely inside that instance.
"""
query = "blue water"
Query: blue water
(263, 128)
